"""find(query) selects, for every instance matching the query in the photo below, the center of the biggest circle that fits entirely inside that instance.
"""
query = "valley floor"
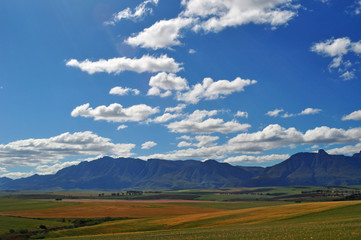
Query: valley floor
(178, 219)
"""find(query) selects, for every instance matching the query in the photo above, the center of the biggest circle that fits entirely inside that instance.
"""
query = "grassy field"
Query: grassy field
(17, 223)
(269, 217)
(330, 220)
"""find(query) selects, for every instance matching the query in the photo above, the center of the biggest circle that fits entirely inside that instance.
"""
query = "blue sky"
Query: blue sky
(240, 81)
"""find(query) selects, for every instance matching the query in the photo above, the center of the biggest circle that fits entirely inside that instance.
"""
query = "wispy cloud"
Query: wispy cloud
(139, 11)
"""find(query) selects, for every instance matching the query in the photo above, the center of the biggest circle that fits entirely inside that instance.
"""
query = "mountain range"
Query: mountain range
(301, 169)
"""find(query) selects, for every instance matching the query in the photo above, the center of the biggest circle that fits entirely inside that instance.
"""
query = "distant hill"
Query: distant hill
(4, 180)
(312, 169)
(127, 173)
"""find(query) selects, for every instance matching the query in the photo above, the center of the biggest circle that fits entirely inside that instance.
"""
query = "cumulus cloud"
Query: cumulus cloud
(241, 114)
(166, 117)
(310, 111)
(271, 137)
(52, 169)
(199, 141)
(127, 13)
(195, 123)
(211, 90)
(116, 65)
(256, 159)
(191, 51)
(356, 115)
(148, 145)
(349, 149)
(274, 113)
(115, 112)
(337, 49)
(31, 152)
(215, 15)
(274, 136)
(162, 34)
(166, 82)
(123, 91)
(178, 108)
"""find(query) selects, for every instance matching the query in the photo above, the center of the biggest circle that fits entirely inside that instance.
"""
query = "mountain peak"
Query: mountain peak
(322, 152)
(357, 155)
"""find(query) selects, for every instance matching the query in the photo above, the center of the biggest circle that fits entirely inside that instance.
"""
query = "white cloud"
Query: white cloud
(139, 12)
(205, 140)
(166, 117)
(348, 75)
(256, 159)
(115, 112)
(357, 7)
(16, 175)
(162, 34)
(211, 90)
(116, 65)
(167, 82)
(310, 111)
(338, 49)
(178, 108)
(333, 47)
(191, 51)
(148, 145)
(184, 144)
(275, 136)
(214, 152)
(329, 135)
(288, 115)
(241, 114)
(274, 113)
(123, 91)
(215, 15)
(3, 169)
(185, 137)
(32, 152)
(199, 141)
(120, 127)
(195, 123)
(349, 149)
(356, 115)
(306, 111)
(272, 136)
(52, 169)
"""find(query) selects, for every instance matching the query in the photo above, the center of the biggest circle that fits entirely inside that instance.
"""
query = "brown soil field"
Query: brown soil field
(97, 209)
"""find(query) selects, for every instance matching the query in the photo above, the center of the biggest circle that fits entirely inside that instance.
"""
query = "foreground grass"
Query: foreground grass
(347, 230)
(16, 224)
(339, 220)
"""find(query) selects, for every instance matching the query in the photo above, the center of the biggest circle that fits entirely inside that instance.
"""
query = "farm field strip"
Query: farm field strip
(110, 209)
(224, 218)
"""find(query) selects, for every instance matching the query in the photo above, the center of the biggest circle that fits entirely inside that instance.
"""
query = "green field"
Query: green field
(279, 213)
(338, 222)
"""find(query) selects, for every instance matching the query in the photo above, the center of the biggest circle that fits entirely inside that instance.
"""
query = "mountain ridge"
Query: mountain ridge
(109, 173)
